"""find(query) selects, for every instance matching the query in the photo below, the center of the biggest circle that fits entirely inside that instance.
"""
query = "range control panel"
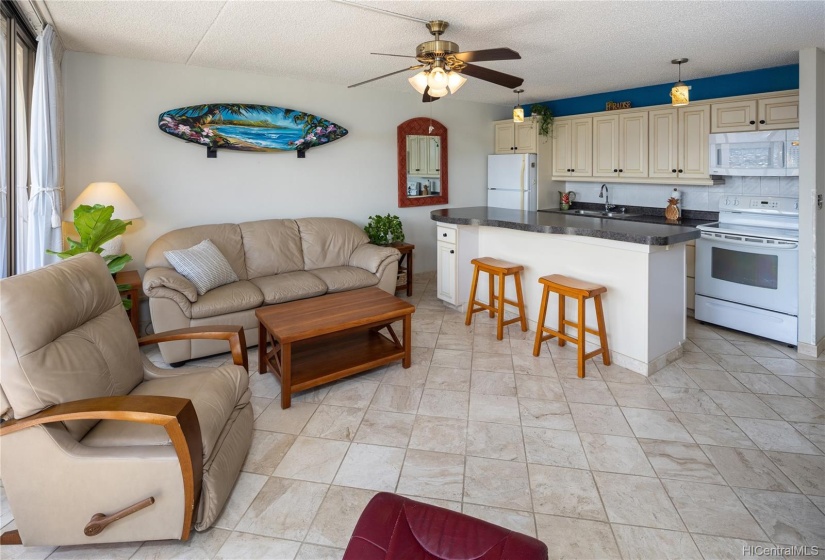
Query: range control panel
(760, 204)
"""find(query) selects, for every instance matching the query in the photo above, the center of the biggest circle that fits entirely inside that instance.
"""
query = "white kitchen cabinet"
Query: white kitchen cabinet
(690, 273)
(423, 156)
(678, 143)
(447, 264)
(620, 145)
(769, 113)
(516, 138)
(776, 113)
(573, 148)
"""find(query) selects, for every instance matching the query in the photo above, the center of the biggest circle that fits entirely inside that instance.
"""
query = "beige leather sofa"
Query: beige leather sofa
(276, 261)
(93, 427)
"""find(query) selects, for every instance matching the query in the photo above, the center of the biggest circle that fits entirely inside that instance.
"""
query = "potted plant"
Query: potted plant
(383, 230)
(95, 226)
(545, 116)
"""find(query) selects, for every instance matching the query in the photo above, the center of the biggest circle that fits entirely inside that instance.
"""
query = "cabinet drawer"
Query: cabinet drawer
(446, 235)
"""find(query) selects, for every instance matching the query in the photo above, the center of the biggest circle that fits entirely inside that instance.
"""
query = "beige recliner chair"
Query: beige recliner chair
(94, 431)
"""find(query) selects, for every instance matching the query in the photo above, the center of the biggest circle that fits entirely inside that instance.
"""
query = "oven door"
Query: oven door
(751, 271)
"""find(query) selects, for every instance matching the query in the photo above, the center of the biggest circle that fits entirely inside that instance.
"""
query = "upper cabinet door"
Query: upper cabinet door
(734, 116)
(526, 133)
(433, 155)
(581, 154)
(606, 146)
(562, 143)
(412, 155)
(664, 140)
(505, 142)
(694, 122)
(632, 145)
(779, 112)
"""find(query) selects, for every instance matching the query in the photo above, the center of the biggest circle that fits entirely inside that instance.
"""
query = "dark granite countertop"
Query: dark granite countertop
(653, 232)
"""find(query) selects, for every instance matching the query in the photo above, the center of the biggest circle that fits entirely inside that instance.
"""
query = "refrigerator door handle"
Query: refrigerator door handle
(521, 181)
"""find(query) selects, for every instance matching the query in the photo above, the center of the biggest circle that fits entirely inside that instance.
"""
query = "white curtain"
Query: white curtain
(4, 164)
(21, 160)
(46, 152)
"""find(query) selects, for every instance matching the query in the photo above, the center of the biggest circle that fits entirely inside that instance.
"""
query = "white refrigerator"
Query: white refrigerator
(511, 181)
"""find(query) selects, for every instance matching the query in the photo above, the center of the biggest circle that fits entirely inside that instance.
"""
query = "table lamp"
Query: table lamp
(107, 194)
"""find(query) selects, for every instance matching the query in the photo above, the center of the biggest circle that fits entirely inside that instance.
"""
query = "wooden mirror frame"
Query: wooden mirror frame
(421, 127)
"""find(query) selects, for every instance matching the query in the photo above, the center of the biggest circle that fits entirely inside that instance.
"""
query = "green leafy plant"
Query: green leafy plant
(545, 116)
(383, 230)
(95, 226)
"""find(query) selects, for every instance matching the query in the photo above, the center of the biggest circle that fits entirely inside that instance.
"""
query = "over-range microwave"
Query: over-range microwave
(767, 153)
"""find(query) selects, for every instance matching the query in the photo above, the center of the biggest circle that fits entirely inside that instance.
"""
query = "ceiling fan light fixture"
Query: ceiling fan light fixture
(679, 93)
(438, 92)
(419, 82)
(455, 81)
(437, 79)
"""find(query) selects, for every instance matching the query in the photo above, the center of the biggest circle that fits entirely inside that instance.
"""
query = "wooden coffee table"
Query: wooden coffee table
(321, 339)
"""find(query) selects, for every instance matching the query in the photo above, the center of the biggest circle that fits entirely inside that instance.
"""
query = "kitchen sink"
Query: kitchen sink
(600, 214)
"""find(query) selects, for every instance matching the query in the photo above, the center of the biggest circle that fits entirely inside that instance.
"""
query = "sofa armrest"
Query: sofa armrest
(234, 334)
(177, 416)
(163, 277)
(370, 257)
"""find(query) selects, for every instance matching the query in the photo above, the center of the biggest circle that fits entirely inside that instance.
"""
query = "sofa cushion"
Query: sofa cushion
(226, 237)
(236, 296)
(329, 241)
(162, 277)
(343, 278)
(289, 286)
(271, 247)
(203, 265)
(214, 393)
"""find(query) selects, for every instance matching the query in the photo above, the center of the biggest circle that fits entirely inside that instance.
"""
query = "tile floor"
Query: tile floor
(722, 449)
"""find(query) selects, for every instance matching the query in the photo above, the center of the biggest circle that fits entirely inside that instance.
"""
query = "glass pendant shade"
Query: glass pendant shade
(419, 82)
(437, 79)
(437, 92)
(679, 96)
(518, 113)
(455, 81)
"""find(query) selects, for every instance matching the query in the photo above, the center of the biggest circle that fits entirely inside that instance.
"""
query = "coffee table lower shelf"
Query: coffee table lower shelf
(322, 360)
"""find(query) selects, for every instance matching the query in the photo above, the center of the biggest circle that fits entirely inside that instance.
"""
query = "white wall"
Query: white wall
(111, 110)
(811, 185)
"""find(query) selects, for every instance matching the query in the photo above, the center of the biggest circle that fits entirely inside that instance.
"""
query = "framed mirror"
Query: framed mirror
(422, 163)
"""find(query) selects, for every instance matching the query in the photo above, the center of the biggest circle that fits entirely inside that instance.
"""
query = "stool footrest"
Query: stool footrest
(586, 329)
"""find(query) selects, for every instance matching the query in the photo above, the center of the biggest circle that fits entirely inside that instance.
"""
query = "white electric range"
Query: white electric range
(747, 267)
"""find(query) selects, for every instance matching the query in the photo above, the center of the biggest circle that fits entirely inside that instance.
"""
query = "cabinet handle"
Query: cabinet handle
(753, 122)
(443, 235)
(673, 170)
(615, 171)
(621, 170)
(762, 121)
(452, 251)
(680, 171)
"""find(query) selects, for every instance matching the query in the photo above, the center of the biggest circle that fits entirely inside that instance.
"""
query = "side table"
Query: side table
(405, 263)
(132, 279)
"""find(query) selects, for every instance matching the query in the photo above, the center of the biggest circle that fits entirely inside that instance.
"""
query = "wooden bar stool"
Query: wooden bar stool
(499, 269)
(570, 287)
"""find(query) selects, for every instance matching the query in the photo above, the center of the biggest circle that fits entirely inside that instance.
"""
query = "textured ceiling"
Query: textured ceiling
(567, 48)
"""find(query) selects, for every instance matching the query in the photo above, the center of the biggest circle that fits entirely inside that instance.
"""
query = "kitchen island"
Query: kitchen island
(642, 264)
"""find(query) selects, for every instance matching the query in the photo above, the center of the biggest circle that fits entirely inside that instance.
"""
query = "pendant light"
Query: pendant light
(518, 110)
(679, 96)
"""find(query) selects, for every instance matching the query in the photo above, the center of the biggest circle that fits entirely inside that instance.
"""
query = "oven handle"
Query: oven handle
(785, 245)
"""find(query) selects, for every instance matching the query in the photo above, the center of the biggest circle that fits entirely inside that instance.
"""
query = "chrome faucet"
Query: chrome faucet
(605, 194)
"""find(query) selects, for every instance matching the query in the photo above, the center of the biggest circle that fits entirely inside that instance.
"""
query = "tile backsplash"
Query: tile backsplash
(693, 197)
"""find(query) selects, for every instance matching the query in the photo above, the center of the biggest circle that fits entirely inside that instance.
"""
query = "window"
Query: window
(17, 50)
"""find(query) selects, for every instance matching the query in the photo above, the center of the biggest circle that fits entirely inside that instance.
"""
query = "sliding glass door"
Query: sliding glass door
(16, 75)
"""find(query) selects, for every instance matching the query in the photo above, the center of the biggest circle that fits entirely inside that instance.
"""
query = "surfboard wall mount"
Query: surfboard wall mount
(249, 128)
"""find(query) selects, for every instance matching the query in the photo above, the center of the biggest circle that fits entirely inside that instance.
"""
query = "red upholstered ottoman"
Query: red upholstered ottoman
(392, 527)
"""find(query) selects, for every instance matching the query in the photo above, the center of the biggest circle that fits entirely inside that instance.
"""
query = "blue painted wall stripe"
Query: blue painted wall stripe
(727, 85)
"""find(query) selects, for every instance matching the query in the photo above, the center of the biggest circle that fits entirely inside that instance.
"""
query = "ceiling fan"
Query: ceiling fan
(444, 64)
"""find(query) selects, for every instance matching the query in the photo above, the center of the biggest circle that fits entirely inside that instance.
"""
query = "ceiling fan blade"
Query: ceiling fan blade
(498, 78)
(487, 55)
(427, 97)
(399, 55)
(416, 67)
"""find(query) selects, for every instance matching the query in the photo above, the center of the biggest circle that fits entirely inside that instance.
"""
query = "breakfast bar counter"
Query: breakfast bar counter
(641, 263)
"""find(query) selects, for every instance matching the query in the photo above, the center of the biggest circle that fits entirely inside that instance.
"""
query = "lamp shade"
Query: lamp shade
(419, 82)
(107, 194)
(679, 96)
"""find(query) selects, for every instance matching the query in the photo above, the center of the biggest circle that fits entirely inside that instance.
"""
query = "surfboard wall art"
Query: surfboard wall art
(249, 128)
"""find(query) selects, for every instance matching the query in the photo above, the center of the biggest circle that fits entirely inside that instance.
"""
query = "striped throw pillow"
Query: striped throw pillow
(204, 265)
